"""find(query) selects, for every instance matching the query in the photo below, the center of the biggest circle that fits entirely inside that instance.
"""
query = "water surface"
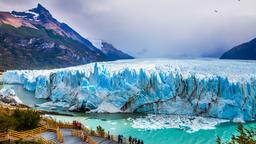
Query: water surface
(123, 124)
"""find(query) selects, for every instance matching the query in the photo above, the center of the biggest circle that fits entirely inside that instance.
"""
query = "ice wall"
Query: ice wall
(214, 88)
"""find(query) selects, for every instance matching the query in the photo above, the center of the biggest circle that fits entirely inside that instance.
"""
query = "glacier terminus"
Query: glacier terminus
(206, 87)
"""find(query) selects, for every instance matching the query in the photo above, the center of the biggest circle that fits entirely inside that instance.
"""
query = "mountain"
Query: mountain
(109, 50)
(246, 51)
(33, 39)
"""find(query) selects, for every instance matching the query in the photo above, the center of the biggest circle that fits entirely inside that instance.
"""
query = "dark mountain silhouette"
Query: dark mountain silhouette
(245, 51)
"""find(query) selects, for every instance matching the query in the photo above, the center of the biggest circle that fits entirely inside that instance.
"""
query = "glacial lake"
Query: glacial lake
(124, 124)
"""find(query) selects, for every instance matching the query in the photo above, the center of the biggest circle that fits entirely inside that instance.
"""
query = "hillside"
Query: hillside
(245, 51)
(33, 39)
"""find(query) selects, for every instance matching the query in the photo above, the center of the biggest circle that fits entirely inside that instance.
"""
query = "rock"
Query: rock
(9, 96)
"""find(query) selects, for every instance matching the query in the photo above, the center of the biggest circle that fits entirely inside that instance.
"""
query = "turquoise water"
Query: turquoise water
(1, 81)
(122, 124)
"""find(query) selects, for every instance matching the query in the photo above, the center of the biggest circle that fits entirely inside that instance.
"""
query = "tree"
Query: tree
(100, 131)
(218, 141)
(246, 136)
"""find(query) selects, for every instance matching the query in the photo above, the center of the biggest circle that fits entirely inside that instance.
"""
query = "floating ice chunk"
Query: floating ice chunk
(187, 123)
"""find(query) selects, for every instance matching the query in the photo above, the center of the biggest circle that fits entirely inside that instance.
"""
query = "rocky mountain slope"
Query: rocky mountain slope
(246, 51)
(33, 39)
(109, 50)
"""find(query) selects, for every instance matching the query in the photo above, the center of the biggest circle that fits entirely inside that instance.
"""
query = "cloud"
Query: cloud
(163, 28)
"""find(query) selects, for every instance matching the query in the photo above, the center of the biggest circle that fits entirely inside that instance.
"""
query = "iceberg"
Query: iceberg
(210, 88)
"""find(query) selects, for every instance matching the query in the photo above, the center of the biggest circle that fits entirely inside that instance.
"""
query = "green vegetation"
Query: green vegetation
(246, 136)
(22, 31)
(100, 131)
(41, 32)
(20, 120)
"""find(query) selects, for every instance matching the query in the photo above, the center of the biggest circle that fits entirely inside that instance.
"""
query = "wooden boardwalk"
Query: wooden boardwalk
(101, 140)
(70, 139)
(52, 132)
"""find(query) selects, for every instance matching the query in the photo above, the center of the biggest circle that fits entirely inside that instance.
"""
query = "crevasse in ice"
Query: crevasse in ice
(213, 88)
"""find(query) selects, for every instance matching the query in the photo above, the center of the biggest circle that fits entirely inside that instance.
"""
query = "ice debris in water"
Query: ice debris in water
(187, 123)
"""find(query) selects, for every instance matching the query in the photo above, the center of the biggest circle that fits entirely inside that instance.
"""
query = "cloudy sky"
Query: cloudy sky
(156, 28)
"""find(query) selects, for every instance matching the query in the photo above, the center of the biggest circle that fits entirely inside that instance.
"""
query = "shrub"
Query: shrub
(26, 120)
(20, 120)
(7, 122)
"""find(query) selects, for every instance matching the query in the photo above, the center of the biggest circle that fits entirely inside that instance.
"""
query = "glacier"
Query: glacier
(208, 87)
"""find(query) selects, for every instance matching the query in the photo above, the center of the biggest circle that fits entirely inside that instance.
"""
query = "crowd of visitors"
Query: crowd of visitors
(131, 140)
(135, 141)
(120, 139)
(77, 125)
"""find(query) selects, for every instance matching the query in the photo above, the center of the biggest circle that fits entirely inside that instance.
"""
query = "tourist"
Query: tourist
(108, 137)
(74, 124)
(118, 139)
(135, 141)
(138, 142)
(80, 126)
(141, 142)
(121, 138)
(130, 140)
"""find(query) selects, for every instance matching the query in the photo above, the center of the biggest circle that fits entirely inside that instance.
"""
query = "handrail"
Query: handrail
(50, 125)
(14, 135)
(28, 133)
(59, 135)
(3, 136)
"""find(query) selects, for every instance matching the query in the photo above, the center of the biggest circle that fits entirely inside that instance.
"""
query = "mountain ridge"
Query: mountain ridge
(33, 39)
(244, 51)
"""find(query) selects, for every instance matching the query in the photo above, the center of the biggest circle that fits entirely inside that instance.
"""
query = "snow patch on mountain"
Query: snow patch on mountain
(96, 43)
